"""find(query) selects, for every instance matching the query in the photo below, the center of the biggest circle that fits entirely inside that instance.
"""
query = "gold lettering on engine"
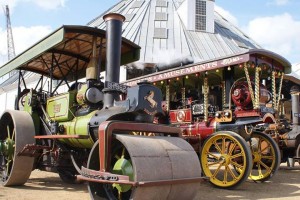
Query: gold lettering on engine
(142, 133)
(56, 108)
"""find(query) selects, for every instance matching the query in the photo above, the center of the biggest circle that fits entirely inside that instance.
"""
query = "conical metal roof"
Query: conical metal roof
(142, 26)
(156, 26)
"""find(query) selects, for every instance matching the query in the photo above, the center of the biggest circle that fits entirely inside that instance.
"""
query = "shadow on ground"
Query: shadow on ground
(49, 183)
(285, 184)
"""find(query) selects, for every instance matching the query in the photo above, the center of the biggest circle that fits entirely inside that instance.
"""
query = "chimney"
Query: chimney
(294, 133)
(91, 70)
(114, 24)
(295, 104)
(198, 15)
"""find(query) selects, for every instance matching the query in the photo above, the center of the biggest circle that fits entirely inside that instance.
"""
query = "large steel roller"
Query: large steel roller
(17, 130)
(153, 159)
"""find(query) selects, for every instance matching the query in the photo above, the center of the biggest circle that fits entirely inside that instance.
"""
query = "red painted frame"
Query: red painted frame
(105, 132)
(107, 128)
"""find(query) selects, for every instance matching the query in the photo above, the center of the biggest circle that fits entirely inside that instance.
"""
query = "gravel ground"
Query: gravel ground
(43, 186)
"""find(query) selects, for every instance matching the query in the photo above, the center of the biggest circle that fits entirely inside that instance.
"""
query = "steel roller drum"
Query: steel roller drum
(162, 158)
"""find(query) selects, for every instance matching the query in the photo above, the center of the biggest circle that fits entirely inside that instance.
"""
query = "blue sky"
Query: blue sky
(274, 24)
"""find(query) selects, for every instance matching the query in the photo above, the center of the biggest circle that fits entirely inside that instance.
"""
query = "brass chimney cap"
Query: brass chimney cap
(113, 16)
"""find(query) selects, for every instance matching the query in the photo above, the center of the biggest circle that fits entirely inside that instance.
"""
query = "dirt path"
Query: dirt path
(45, 186)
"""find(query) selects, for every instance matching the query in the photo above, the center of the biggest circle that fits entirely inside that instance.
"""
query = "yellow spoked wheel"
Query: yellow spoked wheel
(221, 155)
(266, 156)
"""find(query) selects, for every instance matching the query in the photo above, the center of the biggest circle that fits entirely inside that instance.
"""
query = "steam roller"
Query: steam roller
(122, 165)
(148, 162)
(104, 133)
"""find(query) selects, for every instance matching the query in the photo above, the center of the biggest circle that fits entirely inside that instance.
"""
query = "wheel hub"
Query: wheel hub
(123, 167)
(224, 159)
(7, 148)
(256, 157)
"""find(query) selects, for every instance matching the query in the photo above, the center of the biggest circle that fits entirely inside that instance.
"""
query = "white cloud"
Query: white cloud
(24, 37)
(227, 15)
(278, 33)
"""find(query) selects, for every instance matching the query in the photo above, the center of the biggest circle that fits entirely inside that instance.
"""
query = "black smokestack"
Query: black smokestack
(114, 24)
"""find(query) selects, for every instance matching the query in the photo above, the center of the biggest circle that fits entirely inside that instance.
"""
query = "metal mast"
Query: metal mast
(10, 41)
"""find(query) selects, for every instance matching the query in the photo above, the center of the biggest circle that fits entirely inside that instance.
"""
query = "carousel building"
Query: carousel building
(170, 33)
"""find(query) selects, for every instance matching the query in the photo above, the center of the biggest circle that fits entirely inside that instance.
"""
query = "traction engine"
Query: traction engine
(222, 137)
(286, 130)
